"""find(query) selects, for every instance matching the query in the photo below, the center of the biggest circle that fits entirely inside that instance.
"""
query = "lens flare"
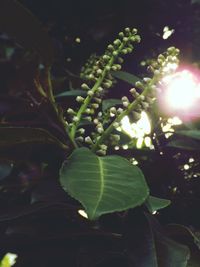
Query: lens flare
(180, 93)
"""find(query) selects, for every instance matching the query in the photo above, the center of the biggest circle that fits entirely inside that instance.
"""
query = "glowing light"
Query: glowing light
(83, 213)
(167, 32)
(186, 167)
(138, 130)
(182, 90)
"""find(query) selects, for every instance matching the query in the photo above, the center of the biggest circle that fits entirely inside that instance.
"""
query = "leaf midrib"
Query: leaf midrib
(101, 172)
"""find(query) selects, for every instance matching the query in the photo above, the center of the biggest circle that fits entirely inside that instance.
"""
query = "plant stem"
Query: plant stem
(94, 89)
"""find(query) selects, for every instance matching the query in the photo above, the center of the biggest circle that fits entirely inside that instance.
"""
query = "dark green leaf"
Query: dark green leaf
(195, 134)
(5, 169)
(103, 184)
(126, 77)
(108, 103)
(19, 23)
(154, 203)
(21, 135)
(72, 93)
(148, 246)
(185, 144)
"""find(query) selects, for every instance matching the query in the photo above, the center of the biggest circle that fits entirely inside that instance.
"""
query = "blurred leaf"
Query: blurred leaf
(108, 103)
(195, 1)
(21, 135)
(195, 134)
(186, 144)
(19, 23)
(148, 246)
(72, 93)
(5, 169)
(154, 203)
(126, 77)
(103, 184)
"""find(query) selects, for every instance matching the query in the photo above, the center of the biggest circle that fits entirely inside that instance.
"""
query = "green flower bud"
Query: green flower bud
(117, 42)
(85, 86)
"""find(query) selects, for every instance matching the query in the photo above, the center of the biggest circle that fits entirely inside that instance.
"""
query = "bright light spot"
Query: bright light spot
(134, 161)
(154, 212)
(147, 141)
(191, 160)
(186, 167)
(139, 142)
(116, 147)
(181, 90)
(169, 67)
(167, 32)
(9, 259)
(175, 121)
(83, 213)
(138, 130)
(168, 127)
(125, 147)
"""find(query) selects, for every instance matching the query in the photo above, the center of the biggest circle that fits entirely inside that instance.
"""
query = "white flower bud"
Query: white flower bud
(80, 139)
(113, 110)
(146, 79)
(119, 110)
(81, 130)
(116, 124)
(98, 100)
(79, 99)
(70, 111)
(96, 121)
(88, 118)
(88, 140)
(90, 93)
(85, 86)
(95, 105)
(75, 119)
(104, 147)
(125, 104)
(125, 99)
(101, 152)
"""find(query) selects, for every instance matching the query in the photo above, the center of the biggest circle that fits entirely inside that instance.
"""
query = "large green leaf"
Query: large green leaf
(19, 23)
(154, 203)
(22, 135)
(103, 184)
(126, 77)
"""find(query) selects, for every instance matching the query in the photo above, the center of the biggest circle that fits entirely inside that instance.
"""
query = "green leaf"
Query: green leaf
(19, 23)
(126, 77)
(195, 134)
(188, 144)
(195, 1)
(148, 245)
(103, 184)
(108, 103)
(154, 203)
(72, 93)
(21, 135)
